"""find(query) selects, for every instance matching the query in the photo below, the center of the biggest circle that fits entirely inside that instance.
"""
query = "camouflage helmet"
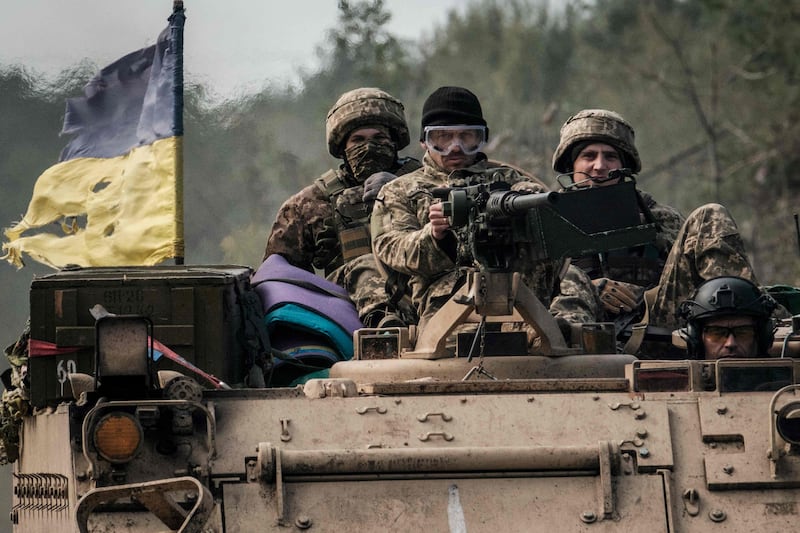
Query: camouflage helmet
(363, 107)
(598, 125)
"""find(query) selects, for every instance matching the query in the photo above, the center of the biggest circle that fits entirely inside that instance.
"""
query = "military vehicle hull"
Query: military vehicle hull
(545, 454)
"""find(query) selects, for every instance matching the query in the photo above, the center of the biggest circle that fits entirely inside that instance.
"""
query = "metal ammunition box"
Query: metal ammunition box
(194, 310)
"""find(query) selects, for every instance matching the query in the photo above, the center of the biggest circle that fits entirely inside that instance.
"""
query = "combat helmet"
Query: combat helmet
(597, 125)
(725, 296)
(361, 107)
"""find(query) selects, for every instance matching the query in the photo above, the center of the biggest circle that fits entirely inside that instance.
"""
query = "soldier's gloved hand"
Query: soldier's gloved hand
(617, 297)
(528, 187)
(373, 184)
(326, 244)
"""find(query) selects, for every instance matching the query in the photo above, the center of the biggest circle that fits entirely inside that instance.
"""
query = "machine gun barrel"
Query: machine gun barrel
(510, 203)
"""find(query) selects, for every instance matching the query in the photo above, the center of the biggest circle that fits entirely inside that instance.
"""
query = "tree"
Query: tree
(360, 51)
(711, 86)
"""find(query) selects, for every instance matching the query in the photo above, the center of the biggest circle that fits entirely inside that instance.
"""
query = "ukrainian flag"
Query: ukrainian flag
(116, 192)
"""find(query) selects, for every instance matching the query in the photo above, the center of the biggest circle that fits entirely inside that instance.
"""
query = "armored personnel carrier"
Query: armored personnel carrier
(152, 400)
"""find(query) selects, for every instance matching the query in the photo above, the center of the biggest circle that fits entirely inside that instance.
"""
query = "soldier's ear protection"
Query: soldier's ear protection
(691, 333)
(766, 335)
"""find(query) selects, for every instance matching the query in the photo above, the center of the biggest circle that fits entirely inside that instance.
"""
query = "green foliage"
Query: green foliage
(719, 77)
(359, 51)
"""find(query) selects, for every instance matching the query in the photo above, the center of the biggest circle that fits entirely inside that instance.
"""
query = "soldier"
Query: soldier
(412, 235)
(728, 317)
(325, 226)
(684, 253)
(594, 142)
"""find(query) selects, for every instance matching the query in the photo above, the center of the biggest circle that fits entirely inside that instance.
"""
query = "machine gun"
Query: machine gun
(509, 231)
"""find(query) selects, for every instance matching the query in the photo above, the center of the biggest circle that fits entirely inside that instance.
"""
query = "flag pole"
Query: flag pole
(176, 22)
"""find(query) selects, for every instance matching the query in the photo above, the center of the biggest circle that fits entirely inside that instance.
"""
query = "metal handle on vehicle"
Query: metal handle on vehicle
(275, 464)
(154, 496)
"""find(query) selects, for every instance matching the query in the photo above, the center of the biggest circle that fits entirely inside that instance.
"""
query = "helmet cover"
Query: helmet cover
(598, 125)
(364, 107)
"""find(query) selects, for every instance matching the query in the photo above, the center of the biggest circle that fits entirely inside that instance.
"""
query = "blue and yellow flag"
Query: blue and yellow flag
(116, 192)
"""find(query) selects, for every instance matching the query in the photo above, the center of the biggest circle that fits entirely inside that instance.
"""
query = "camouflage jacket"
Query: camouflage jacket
(403, 241)
(305, 230)
(639, 265)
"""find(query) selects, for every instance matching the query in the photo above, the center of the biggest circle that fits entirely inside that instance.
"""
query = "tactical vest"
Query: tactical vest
(351, 213)
(640, 265)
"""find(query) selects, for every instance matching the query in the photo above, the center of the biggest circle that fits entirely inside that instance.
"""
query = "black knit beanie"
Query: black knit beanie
(449, 106)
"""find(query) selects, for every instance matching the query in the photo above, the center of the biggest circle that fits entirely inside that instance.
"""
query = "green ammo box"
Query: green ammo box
(195, 312)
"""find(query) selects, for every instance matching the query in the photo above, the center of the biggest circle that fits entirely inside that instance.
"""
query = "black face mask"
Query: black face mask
(366, 158)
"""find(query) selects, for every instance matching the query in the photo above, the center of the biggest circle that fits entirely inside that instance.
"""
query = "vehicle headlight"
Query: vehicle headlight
(117, 437)
(787, 422)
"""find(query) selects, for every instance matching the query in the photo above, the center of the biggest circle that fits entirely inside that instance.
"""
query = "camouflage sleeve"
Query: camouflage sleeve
(528, 184)
(670, 222)
(299, 221)
(528, 187)
(709, 245)
(525, 181)
(578, 300)
(403, 239)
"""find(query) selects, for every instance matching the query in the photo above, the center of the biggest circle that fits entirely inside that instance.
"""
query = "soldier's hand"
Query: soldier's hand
(617, 297)
(528, 187)
(326, 243)
(373, 184)
(440, 225)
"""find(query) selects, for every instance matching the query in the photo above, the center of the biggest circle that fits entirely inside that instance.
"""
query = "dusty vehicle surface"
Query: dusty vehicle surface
(412, 432)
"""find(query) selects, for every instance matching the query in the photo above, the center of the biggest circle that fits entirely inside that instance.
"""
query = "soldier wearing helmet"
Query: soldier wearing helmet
(412, 235)
(727, 317)
(594, 144)
(615, 140)
(325, 226)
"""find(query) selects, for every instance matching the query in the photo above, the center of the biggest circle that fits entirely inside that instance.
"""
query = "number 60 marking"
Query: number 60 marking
(65, 368)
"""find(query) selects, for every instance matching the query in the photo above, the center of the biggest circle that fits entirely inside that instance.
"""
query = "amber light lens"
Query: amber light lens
(117, 437)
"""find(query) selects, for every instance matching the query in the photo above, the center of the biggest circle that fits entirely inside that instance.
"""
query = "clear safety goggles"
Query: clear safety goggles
(444, 139)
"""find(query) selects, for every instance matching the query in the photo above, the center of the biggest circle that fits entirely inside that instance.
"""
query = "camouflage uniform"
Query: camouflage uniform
(640, 265)
(708, 246)
(685, 252)
(325, 226)
(305, 231)
(403, 241)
